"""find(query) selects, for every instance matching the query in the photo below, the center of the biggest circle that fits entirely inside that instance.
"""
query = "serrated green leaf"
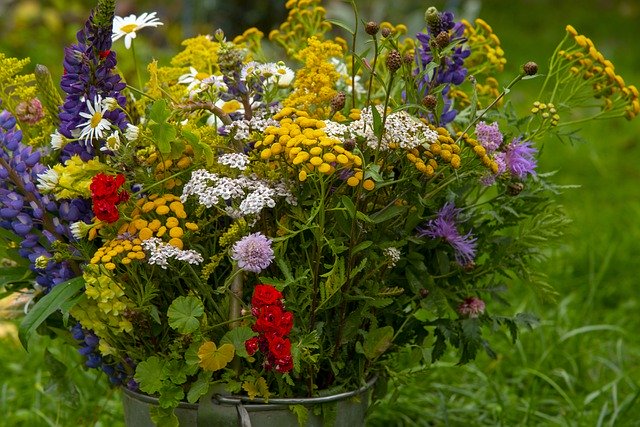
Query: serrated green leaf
(439, 346)
(377, 342)
(213, 358)
(183, 314)
(164, 134)
(200, 387)
(159, 111)
(421, 314)
(163, 417)
(170, 396)
(237, 337)
(50, 303)
(149, 374)
(302, 413)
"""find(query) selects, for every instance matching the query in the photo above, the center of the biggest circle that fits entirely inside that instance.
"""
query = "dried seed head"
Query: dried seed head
(530, 68)
(394, 61)
(515, 188)
(442, 39)
(337, 103)
(372, 28)
(430, 102)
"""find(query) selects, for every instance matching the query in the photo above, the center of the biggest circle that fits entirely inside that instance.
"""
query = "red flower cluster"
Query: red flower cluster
(106, 194)
(273, 324)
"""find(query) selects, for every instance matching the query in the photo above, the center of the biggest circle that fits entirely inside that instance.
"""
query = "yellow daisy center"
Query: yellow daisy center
(129, 28)
(95, 119)
(201, 76)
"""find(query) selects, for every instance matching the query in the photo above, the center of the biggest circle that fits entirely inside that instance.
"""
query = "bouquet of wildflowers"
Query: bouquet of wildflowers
(286, 227)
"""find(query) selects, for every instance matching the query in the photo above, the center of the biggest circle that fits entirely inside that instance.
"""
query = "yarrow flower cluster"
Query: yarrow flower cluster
(273, 325)
(160, 253)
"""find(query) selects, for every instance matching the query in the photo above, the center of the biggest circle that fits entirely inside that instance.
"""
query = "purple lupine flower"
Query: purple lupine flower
(24, 210)
(444, 227)
(451, 69)
(471, 307)
(489, 136)
(253, 252)
(520, 158)
(89, 73)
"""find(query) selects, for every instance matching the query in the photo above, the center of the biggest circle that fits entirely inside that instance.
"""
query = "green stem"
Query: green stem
(135, 64)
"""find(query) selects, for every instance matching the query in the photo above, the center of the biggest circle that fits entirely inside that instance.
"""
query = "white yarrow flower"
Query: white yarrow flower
(132, 132)
(127, 27)
(58, 141)
(160, 253)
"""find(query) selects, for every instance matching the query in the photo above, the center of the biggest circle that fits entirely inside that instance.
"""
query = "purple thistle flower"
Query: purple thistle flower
(444, 227)
(520, 158)
(488, 136)
(253, 252)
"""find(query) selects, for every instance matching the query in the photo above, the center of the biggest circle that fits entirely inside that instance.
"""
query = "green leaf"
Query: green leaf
(163, 417)
(471, 339)
(213, 358)
(387, 213)
(377, 342)
(149, 374)
(164, 134)
(302, 413)
(377, 121)
(439, 346)
(421, 314)
(49, 304)
(341, 24)
(237, 337)
(200, 387)
(159, 111)
(183, 314)
(361, 246)
(348, 204)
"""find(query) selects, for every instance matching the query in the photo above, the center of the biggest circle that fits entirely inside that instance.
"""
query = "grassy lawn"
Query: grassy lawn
(580, 367)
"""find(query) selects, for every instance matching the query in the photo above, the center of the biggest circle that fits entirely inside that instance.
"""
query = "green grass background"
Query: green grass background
(581, 367)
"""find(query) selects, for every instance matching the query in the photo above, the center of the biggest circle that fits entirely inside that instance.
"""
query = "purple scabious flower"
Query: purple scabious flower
(253, 252)
(520, 158)
(89, 72)
(444, 227)
(489, 136)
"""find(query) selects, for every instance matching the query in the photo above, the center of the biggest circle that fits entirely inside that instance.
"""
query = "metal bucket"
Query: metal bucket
(344, 409)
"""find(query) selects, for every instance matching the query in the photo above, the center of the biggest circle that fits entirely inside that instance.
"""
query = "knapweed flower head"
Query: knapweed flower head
(519, 157)
(445, 227)
(253, 252)
(471, 307)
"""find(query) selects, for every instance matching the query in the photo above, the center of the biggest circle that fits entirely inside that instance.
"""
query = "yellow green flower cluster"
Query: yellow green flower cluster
(74, 177)
(301, 141)
(306, 18)
(546, 112)
(102, 309)
(486, 54)
(314, 83)
(587, 62)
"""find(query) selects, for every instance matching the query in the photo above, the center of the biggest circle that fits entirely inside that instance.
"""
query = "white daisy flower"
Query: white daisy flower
(132, 132)
(110, 103)
(127, 27)
(283, 75)
(58, 141)
(112, 143)
(193, 78)
(96, 124)
(47, 181)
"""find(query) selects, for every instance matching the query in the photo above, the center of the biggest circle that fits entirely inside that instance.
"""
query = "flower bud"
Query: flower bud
(442, 39)
(372, 28)
(432, 18)
(385, 32)
(530, 68)
(349, 144)
(424, 293)
(515, 188)
(394, 61)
